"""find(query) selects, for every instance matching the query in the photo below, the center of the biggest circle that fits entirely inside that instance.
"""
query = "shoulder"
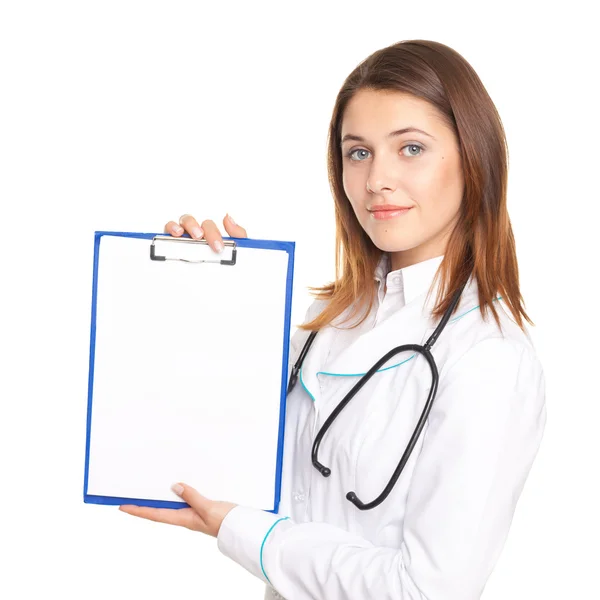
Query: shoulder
(300, 336)
(468, 328)
(477, 348)
(497, 366)
(314, 309)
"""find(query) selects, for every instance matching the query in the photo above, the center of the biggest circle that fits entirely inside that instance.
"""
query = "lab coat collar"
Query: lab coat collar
(414, 279)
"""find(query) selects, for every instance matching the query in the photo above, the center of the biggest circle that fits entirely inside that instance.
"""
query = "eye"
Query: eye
(349, 154)
(412, 147)
(414, 150)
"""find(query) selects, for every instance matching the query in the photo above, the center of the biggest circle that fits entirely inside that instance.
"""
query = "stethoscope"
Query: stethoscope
(426, 352)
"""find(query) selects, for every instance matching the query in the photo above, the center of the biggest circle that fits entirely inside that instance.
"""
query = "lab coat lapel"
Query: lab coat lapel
(412, 324)
(409, 325)
(313, 362)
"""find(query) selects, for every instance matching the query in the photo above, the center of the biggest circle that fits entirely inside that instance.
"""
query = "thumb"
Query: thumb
(233, 229)
(194, 498)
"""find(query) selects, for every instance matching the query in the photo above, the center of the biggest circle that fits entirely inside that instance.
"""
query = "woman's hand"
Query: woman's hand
(208, 230)
(204, 515)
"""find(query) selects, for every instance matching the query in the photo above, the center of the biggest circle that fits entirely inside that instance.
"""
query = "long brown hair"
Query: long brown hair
(482, 241)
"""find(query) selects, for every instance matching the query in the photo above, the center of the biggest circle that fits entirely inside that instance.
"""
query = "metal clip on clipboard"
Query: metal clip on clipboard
(160, 238)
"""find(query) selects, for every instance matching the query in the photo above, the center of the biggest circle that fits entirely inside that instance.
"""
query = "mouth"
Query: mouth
(388, 211)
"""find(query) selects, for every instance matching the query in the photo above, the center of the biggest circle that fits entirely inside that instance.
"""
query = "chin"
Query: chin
(394, 245)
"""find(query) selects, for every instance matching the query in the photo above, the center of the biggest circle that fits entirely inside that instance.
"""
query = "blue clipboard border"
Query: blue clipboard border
(288, 247)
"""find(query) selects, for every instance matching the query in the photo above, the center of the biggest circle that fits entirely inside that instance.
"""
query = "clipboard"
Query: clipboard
(188, 369)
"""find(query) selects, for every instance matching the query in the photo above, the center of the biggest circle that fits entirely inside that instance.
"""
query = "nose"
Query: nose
(381, 178)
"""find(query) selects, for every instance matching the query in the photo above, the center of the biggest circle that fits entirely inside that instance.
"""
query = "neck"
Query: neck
(407, 258)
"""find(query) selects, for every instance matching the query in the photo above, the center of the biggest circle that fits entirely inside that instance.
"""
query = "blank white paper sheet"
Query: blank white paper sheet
(188, 366)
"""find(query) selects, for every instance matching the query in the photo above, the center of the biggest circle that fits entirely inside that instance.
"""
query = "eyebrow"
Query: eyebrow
(358, 138)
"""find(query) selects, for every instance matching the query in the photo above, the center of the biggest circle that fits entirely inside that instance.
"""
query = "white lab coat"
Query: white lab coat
(440, 532)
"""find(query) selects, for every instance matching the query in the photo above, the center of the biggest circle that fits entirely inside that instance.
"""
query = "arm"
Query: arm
(484, 431)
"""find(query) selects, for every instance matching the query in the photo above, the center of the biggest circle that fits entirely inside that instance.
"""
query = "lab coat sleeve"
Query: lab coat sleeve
(484, 431)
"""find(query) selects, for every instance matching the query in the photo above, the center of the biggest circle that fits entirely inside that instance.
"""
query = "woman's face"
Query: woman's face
(420, 170)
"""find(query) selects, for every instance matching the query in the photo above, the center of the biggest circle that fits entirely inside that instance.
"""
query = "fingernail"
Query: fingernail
(230, 219)
(197, 232)
(218, 246)
(178, 489)
(177, 229)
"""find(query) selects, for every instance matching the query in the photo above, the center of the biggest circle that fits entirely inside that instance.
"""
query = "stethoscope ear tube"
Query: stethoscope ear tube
(296, 367)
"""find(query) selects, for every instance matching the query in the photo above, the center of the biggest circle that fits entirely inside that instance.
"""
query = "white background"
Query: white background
(124, 115)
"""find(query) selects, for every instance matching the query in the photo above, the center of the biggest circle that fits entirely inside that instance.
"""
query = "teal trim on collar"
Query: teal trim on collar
(361, 374)
(386, 368)
(472, 309)
(302, 382)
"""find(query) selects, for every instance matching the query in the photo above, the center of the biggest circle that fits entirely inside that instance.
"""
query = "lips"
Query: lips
(386, 207)
(388, 212)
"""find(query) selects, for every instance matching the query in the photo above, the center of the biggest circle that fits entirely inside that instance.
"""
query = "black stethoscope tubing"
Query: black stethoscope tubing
(425, 350)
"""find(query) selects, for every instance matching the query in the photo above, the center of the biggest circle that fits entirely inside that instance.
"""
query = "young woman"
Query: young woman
(417, 160)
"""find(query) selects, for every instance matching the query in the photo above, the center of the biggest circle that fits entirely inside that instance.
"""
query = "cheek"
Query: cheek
(442, 189)
(350, 184)
(353, 188)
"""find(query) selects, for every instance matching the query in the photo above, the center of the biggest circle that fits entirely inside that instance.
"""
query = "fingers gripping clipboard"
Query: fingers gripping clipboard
(188, 369)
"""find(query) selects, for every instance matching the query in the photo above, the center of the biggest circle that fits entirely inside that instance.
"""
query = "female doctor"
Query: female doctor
(418, 170)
